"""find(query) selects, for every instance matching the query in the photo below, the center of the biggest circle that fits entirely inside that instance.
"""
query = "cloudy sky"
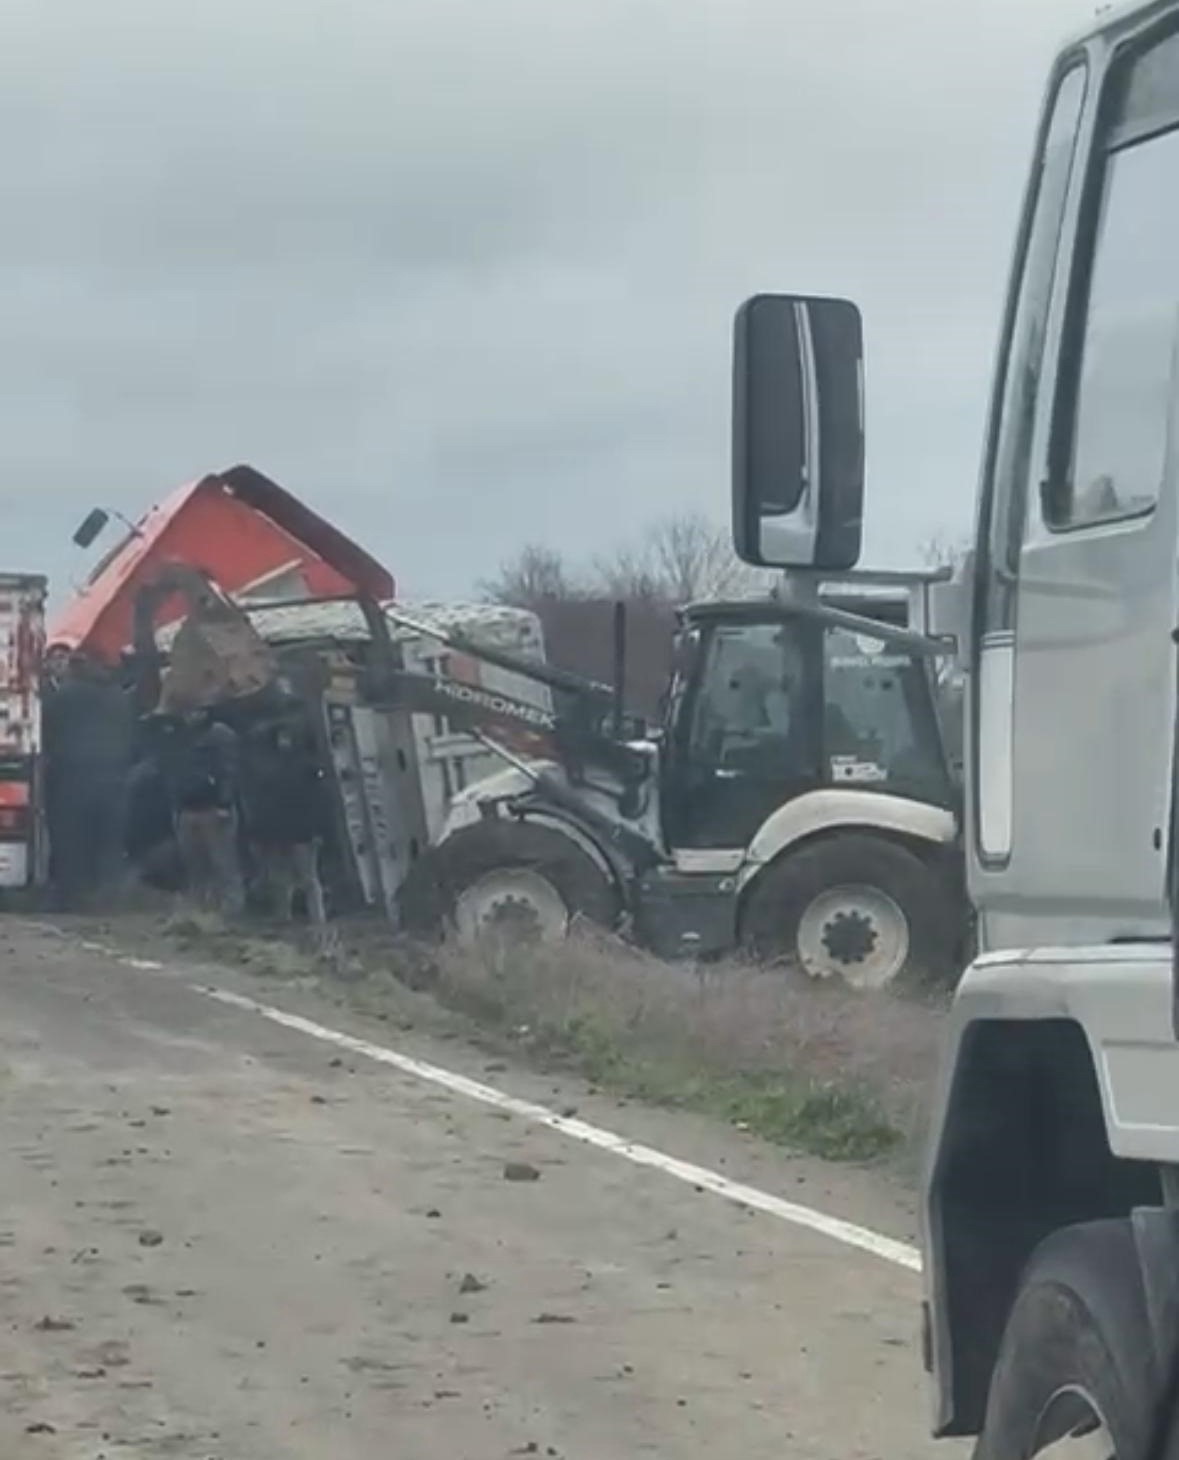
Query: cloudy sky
(461, 272)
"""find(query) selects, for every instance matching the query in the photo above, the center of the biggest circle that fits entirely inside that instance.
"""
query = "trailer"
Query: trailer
(22, 641)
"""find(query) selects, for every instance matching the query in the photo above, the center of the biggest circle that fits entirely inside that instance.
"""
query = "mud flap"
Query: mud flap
(1156, 1236)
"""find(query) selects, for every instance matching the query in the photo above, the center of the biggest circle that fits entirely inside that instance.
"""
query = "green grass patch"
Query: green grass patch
(839, 1122)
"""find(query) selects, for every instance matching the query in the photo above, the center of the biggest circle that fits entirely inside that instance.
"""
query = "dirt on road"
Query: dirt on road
(225, 1240)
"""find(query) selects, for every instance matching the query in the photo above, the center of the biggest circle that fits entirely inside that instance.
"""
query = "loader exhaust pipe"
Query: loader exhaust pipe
(618, 674)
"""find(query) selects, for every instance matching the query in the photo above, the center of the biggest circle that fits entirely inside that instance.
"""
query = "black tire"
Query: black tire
(435, 882)
(782, 893)
(1079, 1323)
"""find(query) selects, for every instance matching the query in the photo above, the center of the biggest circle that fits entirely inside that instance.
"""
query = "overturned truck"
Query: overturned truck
(320, 663)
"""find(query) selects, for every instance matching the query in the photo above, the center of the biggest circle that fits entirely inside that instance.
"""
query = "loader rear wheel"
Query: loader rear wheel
(1074, 1373)
(514, 881)
(856, 907)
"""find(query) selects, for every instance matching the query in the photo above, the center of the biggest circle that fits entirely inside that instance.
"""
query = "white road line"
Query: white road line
(579, 1130)
(851, 1235)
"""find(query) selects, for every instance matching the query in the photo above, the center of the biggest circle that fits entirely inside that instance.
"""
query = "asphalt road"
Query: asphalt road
(224, 1240)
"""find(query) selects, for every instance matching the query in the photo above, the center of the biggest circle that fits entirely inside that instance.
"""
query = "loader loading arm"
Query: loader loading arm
(562, 680)
(474, 708)
(587, 729)
(216, 654)
(177, 578)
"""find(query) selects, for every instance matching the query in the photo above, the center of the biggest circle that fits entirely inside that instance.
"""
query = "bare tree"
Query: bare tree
(535, 575)
(678, 559)
(629, 574)
(694, 558)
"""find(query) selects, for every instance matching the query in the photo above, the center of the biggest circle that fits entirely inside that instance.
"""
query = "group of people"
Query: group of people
(228, 802)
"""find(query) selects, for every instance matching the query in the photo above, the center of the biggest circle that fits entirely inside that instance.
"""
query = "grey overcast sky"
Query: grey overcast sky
(461, 272)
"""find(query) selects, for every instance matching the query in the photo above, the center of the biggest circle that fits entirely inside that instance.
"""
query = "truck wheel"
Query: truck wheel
(855, 907)
(512, 880)
(1075, 1362)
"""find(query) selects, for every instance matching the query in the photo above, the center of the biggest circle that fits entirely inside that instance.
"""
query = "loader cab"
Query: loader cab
(769, 703)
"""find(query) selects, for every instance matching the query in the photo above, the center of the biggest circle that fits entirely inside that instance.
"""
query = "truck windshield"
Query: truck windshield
(880, 725)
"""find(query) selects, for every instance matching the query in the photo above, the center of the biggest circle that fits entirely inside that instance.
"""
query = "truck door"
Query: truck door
(747, 734)
(1074, 691)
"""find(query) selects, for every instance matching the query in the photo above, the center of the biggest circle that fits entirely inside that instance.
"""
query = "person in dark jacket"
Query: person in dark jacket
(88, 736)
(150, 839)
(198, 757)
(286, 815)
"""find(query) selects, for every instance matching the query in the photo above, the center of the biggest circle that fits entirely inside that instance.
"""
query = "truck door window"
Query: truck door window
(1014, 427)
(1110, 432)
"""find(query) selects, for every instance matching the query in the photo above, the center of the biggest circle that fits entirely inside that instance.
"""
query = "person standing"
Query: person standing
(286, 813)
(199, 757)
(88, 738)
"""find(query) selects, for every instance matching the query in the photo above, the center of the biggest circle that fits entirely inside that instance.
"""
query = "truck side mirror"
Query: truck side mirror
(91, 526)
(798, 432)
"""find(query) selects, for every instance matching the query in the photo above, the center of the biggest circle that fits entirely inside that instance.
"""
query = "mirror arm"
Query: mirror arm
(932, 646)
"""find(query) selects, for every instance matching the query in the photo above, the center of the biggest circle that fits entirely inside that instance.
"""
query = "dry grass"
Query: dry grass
(819, 1066)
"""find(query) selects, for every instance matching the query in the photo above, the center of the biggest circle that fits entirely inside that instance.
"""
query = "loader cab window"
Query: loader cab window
(747, 735)
(880, 720)
(685, 655)
(749, 711)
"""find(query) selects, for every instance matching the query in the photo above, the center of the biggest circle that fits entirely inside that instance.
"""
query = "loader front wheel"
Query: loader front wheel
(511, 881)
(854, 907)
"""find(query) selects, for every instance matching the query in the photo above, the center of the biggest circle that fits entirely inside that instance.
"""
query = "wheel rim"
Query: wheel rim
(511, 906)
(857, 933)
(1071, 1427)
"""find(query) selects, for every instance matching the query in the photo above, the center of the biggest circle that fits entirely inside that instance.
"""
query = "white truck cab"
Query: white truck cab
(1051, 1204)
